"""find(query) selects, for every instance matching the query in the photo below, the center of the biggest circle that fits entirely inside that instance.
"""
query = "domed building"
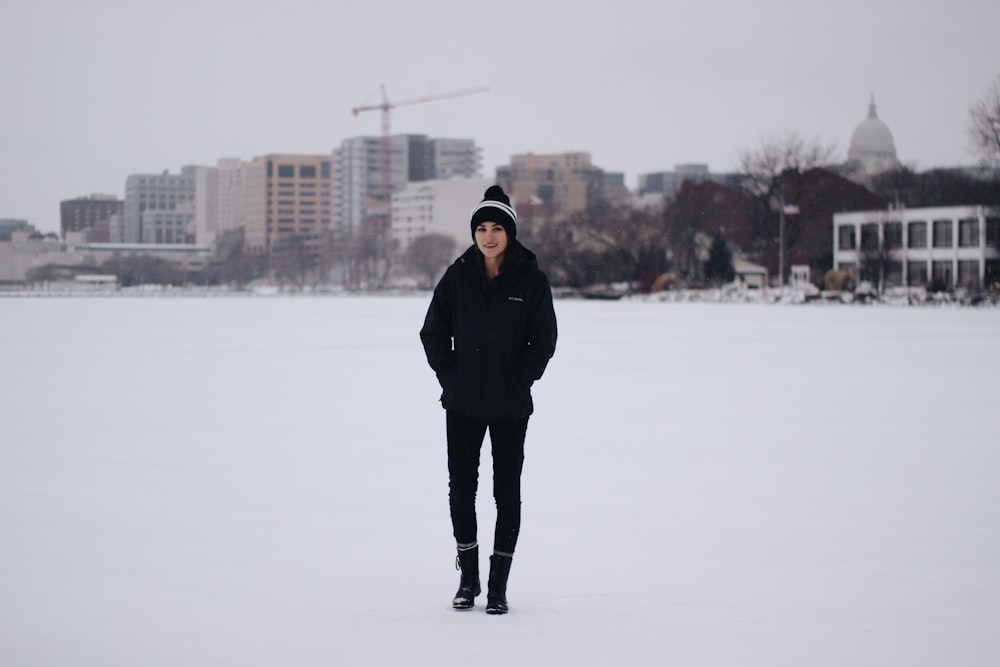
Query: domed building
(872, 149)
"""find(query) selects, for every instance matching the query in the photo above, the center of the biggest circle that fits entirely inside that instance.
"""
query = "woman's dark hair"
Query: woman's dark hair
(510, 255)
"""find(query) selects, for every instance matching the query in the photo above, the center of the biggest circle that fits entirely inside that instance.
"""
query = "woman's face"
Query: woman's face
(491, 239)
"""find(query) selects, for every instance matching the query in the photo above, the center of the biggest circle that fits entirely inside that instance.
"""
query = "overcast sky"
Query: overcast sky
(93, 91)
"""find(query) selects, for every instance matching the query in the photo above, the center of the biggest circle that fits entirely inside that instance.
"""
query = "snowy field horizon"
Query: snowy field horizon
(262, 482)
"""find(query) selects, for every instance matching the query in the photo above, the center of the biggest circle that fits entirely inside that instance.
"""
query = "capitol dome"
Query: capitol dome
(872, 146)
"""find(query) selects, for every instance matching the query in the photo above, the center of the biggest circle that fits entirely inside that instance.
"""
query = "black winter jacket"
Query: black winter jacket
(489, 341)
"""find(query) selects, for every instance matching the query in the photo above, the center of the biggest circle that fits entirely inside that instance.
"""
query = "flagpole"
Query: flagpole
(781, 239)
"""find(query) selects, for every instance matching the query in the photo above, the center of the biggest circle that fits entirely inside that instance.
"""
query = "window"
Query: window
(324, 169)
(307, 171)
(893, 235)
(991, 273)
(916, 274)
(286, 171)
(993, 233)
(869, 237)
(893, 274)
(845, 236)
(941, 274)
(968, 273)
(917, 235)
(942, 234)
(968, 233)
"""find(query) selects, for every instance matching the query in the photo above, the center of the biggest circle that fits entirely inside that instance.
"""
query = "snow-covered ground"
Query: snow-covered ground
(262, 482)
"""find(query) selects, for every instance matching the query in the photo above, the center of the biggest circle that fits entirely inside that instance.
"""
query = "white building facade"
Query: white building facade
(438, 207)
(946, 247)
(218, 199)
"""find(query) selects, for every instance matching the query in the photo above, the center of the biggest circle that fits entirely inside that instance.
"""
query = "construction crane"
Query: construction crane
(385, 106)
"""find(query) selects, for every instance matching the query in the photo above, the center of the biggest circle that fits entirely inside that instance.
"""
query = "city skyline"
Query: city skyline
(107, 90)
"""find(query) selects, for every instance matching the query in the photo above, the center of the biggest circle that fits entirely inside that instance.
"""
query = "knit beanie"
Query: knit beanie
(495, 208)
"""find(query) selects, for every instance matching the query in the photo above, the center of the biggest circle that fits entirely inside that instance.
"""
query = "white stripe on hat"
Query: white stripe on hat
(496, 204)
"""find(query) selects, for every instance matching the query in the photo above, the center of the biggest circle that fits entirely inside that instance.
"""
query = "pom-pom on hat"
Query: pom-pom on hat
(495, 208)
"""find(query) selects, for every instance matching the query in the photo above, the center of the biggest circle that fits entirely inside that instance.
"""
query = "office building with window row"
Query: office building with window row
(946, 247)
(284, 196)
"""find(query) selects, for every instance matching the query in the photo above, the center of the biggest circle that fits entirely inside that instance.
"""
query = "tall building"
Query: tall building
(159, 208)
(438, 207)
(412, 158)
(358, 176)
(455, 158)
(90, 215)
(218, 199)
(562, 184)
(286, 195)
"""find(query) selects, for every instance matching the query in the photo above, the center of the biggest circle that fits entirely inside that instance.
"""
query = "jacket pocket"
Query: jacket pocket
(446, 378)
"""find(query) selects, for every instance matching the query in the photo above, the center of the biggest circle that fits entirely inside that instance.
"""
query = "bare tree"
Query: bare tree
(236, 265)
(603, 244)
(143, 270)
(984, 125)
(428, 254)
(764, 170)
(763, 166)
(300, 259)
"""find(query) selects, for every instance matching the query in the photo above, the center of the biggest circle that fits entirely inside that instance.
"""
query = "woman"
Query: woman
(490, 330)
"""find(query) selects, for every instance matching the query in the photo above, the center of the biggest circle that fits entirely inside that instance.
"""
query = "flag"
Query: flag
(791, 209)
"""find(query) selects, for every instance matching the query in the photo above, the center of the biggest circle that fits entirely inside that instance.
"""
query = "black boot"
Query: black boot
(496, 594)
(468, 585)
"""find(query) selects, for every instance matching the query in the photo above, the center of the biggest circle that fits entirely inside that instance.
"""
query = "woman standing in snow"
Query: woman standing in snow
(489, 332)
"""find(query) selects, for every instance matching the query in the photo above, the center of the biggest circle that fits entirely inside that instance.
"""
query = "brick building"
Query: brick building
(90, 215)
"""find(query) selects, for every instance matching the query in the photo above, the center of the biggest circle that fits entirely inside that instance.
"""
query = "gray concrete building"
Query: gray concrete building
(159, 193)
(412, 158)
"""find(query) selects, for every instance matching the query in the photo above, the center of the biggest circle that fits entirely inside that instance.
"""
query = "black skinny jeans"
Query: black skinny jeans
(465, 440)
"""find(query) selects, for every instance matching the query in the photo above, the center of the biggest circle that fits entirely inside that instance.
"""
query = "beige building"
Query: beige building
(21, 250)
(286, 195)
(552, 185)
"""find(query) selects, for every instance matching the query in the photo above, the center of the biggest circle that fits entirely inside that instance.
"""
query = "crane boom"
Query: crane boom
(378, 216)
(385, 105)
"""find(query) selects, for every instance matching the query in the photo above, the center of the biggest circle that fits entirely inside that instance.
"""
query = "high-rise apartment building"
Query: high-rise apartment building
(286, 195)
(412, 158)
(218, 199)
(563, 184)
(90, 215)
(455, 158)
(159, 208)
